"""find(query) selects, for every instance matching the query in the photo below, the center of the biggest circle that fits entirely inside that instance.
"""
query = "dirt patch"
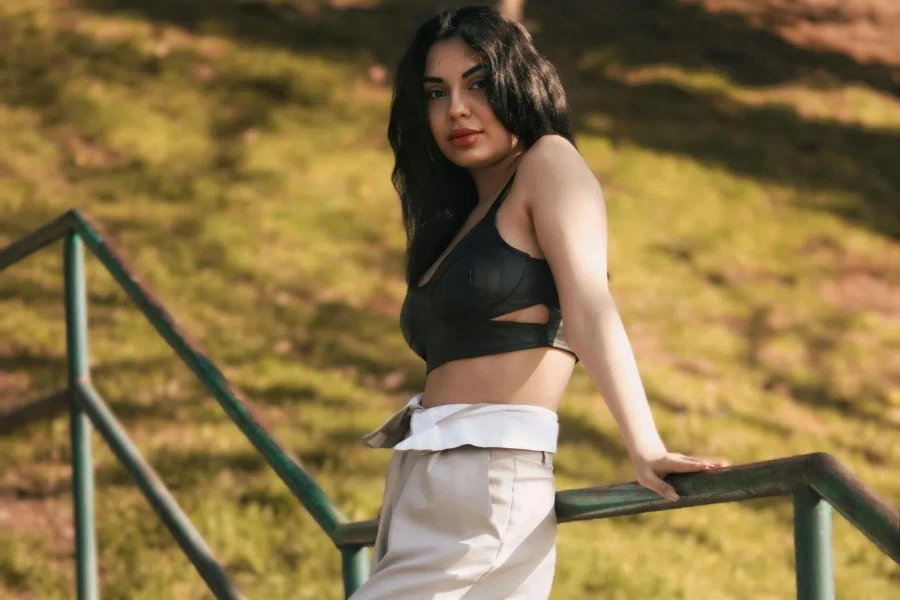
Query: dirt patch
(83, 151)
(40, 508)
(14, 389)
(14, 385)
(37, 517)
(861, 291)
(865, 30)
(34, 504)
(857, 282)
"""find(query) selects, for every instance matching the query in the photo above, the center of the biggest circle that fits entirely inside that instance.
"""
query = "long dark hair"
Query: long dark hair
(524, 92)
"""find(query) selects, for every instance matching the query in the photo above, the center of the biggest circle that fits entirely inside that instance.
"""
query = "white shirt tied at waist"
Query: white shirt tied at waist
(486, 425)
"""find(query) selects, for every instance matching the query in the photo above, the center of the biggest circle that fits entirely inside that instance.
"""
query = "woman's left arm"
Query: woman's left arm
(569, 216)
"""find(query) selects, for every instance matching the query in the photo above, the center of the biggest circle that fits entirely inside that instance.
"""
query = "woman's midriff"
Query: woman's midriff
(534, 376)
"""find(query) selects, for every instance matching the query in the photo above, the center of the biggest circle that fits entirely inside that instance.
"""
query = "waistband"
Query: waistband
(514, 426)
(394, 429)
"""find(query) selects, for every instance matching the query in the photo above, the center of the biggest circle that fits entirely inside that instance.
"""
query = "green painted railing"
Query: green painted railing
(816, 482)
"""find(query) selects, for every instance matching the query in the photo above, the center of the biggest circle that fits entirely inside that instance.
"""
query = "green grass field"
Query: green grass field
(235, 150)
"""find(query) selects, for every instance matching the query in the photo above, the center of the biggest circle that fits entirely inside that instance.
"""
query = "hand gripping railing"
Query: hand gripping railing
(817, 481)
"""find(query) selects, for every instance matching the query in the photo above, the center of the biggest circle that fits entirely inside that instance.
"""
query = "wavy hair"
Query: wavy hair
(524, 92)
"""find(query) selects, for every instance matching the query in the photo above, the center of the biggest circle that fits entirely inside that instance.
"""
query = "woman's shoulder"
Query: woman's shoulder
(551, 142)
(552, 163)
(551, 146)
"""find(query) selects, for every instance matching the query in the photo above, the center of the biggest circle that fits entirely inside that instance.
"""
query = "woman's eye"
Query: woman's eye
(431, 94)
(480, 83)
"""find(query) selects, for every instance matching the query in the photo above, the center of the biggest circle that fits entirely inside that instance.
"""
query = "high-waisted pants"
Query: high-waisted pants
(465, 523)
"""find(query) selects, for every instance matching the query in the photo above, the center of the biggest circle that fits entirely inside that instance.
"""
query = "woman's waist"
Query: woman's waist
(509, 378)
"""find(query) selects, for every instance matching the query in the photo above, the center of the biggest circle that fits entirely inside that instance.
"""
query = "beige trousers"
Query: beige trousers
(466, 523)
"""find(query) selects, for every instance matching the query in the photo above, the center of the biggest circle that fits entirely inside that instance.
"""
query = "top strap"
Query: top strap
(502, 195)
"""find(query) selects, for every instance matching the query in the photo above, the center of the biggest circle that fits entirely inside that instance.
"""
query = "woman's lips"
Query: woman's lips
(465, 140)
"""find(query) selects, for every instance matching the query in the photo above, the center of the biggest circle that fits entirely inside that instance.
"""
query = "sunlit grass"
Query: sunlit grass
(246, 177)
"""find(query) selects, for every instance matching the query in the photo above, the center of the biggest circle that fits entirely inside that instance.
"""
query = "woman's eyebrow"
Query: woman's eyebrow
(430, 79)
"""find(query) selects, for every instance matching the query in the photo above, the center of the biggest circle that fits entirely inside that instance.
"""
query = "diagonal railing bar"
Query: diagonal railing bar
(37, 410)
(232, 400)
(157, 494)
(78, 228)
(37, 239)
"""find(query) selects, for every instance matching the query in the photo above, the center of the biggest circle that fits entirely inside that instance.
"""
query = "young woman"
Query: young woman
(506, 231)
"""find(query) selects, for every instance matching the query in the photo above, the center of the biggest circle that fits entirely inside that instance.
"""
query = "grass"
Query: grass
(236, 152)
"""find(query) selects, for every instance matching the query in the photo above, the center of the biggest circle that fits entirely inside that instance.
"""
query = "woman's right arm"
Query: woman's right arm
(569, 216)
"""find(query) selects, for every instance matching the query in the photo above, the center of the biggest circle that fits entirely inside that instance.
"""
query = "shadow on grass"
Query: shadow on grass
(686, 34)
(768, 143)
(183, 469)
(576, 430)
(764, 142)
(658, 398)
(237, 105)
(820, 343)
(643, 32)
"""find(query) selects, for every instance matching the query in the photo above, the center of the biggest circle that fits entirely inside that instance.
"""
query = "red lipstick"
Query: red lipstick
(464, 136)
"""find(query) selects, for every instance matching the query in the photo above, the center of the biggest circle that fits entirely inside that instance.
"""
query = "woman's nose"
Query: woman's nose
(459, 106)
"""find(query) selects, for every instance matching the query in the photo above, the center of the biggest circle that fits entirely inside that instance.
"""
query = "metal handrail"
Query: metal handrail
(84, 403)
(235, 403)
(816, 481)
(784, 476)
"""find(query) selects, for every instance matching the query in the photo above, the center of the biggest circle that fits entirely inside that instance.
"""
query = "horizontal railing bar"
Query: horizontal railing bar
(622, 499)
(358, 533)
(37, 239)
(236, 405)
(157, 494)
(37, 410)
(743, 482)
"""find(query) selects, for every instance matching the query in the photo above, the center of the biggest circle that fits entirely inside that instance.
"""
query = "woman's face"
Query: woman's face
(459, 115)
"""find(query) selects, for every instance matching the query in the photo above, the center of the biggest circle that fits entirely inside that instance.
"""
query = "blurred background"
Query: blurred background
(236, 152)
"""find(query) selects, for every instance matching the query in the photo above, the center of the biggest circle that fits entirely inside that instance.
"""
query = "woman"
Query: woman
(506, 231)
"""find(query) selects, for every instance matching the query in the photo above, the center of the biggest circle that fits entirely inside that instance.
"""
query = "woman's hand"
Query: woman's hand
(651, 470)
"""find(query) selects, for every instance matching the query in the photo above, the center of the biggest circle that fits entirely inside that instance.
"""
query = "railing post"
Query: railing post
(82, 464)
(355, 567)
(812, 546)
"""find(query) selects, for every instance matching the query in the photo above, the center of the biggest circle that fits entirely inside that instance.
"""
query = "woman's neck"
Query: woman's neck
(490, 180)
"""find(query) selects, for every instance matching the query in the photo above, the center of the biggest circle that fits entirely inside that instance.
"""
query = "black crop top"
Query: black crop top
(482, 277)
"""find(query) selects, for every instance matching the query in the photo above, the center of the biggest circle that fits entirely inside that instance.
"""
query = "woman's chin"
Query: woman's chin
(473, 158)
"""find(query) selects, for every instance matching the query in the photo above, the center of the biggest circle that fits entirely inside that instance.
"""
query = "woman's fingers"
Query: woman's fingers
(705, 461)
(650, 474)
(690, 464)
(652, 481)
(685, 466)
